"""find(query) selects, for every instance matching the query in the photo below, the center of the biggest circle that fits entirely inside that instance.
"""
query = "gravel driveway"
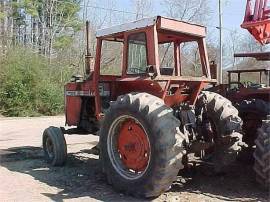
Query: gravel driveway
(25, 176)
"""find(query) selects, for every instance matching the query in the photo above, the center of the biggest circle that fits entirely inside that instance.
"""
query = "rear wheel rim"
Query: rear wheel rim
(128, 147)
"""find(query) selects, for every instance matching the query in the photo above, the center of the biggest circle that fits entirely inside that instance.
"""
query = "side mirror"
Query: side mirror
(213, 70)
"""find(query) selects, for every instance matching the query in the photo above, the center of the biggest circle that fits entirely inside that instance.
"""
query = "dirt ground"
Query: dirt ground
(25, 176)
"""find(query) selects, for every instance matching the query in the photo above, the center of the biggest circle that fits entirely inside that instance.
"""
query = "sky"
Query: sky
(233, 15)
(233, 12)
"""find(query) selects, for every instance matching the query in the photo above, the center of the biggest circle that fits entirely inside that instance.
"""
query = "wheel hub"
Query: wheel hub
(133, 146)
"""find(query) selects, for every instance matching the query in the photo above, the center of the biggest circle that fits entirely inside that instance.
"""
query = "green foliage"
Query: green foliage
(50, 99)
(2, 15)
(31, 7)
(30, 86)
(64, 12)
(63, 42)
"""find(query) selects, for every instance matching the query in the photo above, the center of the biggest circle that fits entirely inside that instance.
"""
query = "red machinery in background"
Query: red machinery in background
(257, 20)
(251, 95)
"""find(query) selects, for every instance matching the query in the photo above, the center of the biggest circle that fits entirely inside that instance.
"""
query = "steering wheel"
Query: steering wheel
(136, 70)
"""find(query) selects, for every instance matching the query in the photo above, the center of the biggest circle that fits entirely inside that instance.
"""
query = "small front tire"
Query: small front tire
(54, 146)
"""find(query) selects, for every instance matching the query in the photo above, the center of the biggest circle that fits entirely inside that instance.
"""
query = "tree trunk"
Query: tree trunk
(33, 37)
(3, 27)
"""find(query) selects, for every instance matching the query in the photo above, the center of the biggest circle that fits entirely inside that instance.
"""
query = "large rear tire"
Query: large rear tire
(54, 146)
(252, 113)
(141, 145)
(262, 155)
(227, 124)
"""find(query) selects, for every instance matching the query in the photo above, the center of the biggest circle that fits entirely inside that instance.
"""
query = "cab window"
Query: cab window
(190, 59)
(137, 54)
(111, 58)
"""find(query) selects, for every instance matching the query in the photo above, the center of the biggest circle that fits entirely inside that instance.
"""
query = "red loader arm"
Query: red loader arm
(257, 20)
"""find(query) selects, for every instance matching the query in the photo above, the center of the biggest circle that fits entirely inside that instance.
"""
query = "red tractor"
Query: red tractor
(249, 92)
(149, 117)
(250, 97)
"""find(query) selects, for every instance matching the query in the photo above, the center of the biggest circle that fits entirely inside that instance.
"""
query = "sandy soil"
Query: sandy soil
(25, 176)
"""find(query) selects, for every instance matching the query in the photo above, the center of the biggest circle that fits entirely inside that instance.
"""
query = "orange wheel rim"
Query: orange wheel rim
(133, 145)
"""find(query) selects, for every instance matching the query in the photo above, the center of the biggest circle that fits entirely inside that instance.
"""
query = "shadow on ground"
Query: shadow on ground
(82, 177)
(237, 184)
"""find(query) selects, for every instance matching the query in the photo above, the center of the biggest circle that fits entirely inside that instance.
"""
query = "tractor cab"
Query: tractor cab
(248, 84)
(148, 55)
(153, 45)
(255, 78)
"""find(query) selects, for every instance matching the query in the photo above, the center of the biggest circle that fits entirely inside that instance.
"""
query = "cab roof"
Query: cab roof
(163, 25)
(248, 70)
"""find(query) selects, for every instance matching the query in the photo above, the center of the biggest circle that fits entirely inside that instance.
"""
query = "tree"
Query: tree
(197, 11)
(48, 22)
(242, 42)
(2, 25)
(142, 8)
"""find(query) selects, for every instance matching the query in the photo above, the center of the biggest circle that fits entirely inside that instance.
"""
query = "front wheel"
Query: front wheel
(141, 145)
(54, 146)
